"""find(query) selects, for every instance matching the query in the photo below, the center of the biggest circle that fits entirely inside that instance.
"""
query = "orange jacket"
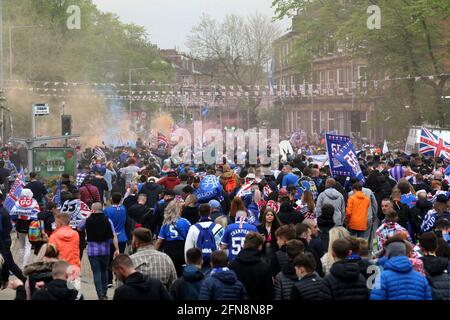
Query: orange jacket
(357, 211)
(67, 241)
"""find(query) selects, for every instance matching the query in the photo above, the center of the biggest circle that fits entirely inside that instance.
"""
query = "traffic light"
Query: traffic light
(355, 121)
(66, 125)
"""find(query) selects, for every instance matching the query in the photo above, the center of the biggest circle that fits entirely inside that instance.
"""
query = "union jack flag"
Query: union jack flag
(432, 145)
(162, 139)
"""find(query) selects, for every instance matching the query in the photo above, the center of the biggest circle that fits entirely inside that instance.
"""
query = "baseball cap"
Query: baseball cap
(442, 198)
(214, 204)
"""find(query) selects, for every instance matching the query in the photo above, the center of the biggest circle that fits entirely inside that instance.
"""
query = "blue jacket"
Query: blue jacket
(222, 285)
(399, 281)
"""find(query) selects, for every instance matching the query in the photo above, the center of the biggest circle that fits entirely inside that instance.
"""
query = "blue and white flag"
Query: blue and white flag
(209, 188)
(15, 191)
(342, 155)
(99, 154)
(57, 196)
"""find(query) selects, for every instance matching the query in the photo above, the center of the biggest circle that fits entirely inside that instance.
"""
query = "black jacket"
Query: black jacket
(436, 270)
(136, 287)
(152, 191)
(346, 282)
(325, 224)
(287, 215)
(315, 248)
(284, 282)
(418, 212)
(101, 185)
(56, 290)
(404, 214)
(187, 287)
(278, 260)
(273, 244)
(310, 287)
(38, 189)
(129, 201)
(143, 215)
(255, 275)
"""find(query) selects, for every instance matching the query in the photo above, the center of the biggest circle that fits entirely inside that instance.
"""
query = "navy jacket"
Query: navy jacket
(222, 285)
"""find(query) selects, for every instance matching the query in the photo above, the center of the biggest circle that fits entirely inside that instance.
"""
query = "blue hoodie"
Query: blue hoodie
(399, 281)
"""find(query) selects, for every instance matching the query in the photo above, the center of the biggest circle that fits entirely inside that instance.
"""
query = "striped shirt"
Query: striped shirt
(397, 172)
(154, 264)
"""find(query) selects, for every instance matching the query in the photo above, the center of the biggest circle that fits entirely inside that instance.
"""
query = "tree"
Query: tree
(413, 42)
(239, 46)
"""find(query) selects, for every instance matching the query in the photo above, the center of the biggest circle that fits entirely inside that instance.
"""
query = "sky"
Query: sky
(169, 21)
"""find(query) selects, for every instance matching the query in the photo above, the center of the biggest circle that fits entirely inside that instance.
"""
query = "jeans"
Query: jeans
(358, 234)
(99, 266)
(24, 248)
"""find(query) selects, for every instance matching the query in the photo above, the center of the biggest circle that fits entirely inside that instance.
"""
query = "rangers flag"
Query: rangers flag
(432, 145)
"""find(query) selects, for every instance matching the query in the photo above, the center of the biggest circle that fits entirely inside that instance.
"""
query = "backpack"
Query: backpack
(206, 242)
(230, 184)
(35, 231)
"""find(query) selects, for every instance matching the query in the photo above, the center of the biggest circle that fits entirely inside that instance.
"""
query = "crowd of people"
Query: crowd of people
(153, 228)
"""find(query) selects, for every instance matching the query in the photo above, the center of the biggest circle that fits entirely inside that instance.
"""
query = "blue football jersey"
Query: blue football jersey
(234, 237)
(175, 231)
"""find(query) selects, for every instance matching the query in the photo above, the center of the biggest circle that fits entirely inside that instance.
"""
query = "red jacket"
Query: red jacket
(169, 182)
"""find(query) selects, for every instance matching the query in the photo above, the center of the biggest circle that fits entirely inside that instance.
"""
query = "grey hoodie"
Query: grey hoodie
(335, 198)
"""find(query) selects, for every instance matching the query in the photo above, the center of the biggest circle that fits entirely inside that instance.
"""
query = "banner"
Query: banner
(342, 155)
(347, 156)
(209, 188)
(52, 162)
(15, 191)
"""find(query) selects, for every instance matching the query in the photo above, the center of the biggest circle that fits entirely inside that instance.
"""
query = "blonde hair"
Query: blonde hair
(1, 260)
(190, 200)
(173, 211)
(335, 234)
(222, 220)
(257, 196)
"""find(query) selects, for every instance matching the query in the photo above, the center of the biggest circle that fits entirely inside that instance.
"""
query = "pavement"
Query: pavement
(87, 281)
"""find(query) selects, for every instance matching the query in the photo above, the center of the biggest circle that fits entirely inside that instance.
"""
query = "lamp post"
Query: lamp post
(129, 84)
(11, 28)
(2, 100)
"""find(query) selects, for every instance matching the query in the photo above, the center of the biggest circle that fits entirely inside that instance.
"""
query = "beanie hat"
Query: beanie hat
(395, 249)
(27, 193)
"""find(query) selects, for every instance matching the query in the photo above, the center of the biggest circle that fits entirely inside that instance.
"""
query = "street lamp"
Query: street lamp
(129, 82)
(2, 100)
(11, 28)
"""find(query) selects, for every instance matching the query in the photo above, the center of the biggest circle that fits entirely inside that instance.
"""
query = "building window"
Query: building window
(331, 120)
(341, 122)
(362, 73)
(323, 121)
(322, 81)
(316, 122)
(340, 81)
(331, 81)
